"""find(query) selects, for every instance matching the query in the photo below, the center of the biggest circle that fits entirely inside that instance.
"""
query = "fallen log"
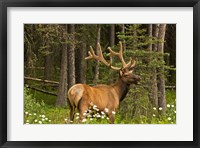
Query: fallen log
(41, 80)
(41, 90)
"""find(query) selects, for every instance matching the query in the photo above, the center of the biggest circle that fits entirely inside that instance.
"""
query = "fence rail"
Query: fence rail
(57, 83)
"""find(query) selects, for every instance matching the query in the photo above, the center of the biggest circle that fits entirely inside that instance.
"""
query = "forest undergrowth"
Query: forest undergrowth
(39, 109)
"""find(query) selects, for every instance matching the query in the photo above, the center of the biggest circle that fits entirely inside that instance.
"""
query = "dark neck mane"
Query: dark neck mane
(121, 88)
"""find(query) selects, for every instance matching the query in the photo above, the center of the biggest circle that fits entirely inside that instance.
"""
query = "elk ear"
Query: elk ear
(131, 71)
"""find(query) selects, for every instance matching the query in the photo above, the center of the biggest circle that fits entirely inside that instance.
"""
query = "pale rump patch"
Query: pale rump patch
(75, 93)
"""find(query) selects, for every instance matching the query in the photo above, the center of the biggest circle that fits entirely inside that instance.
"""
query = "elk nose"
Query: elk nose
(138, 78)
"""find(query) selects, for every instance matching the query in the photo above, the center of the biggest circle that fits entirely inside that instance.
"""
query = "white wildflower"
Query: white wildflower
(43, 116)
(40, 122)
(160, 108)
(175, 112)
(172, 105)
(77, 117)
(168, 105)
(102, 113)
(154, 115)
(169, 118)
(35, 120)
(154, 108)
(98, 116)
(113, 112)
(26, 113)
(96, 109)
(91, 119)
(49, 120)
(30, 114)
(142, 122)
(84, 120)
(84, 114)
(77, 114)
(107, 118)
(94, 106)
(34, 114)
(71, 121)
(46, 118)
(106, 110)
(90, 111)
(43, 119)
(102, 117)
(65, 119)
(27, 120)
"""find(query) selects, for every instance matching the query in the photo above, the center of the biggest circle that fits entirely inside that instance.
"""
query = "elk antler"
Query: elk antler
(131, 64)
(100, 57)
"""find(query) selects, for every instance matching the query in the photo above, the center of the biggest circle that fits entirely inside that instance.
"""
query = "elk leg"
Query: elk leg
(82, 110)
(111, 118)
(82, 107)
(72, 112)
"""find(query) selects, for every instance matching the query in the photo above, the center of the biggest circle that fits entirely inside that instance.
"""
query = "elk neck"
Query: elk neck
(121, 88)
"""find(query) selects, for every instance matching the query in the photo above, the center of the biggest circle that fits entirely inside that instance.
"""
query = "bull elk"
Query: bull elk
(82, 96)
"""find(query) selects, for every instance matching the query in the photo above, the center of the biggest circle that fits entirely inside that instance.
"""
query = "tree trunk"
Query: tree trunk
(155, 34)
(71, 56)
(81, 64)
(161, 76)
(170, 47)
(150, 30)
(28, 62)
(96, 69)
(47, 67)
(153, 97)
(135, 37)
(112, 35)
(29, 50)
(124, 42)
(62, 90)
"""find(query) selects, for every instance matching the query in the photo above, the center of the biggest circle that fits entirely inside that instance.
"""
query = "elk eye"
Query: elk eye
(126, 75)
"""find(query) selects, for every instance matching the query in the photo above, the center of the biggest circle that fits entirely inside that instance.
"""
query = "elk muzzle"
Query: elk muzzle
(136, 79)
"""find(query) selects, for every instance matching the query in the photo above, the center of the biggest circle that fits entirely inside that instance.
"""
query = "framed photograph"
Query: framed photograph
(105, 73)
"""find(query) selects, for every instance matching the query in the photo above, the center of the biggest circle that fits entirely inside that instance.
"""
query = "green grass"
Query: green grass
(39, 109)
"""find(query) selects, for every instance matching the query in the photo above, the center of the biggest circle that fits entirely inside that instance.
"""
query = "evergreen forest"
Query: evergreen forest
(59, 56)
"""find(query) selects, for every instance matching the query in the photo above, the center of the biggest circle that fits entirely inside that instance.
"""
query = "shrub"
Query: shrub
(34, 112)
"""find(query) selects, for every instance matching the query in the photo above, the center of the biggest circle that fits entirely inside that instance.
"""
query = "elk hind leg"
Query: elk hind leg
(82, 107)
(72, 112)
